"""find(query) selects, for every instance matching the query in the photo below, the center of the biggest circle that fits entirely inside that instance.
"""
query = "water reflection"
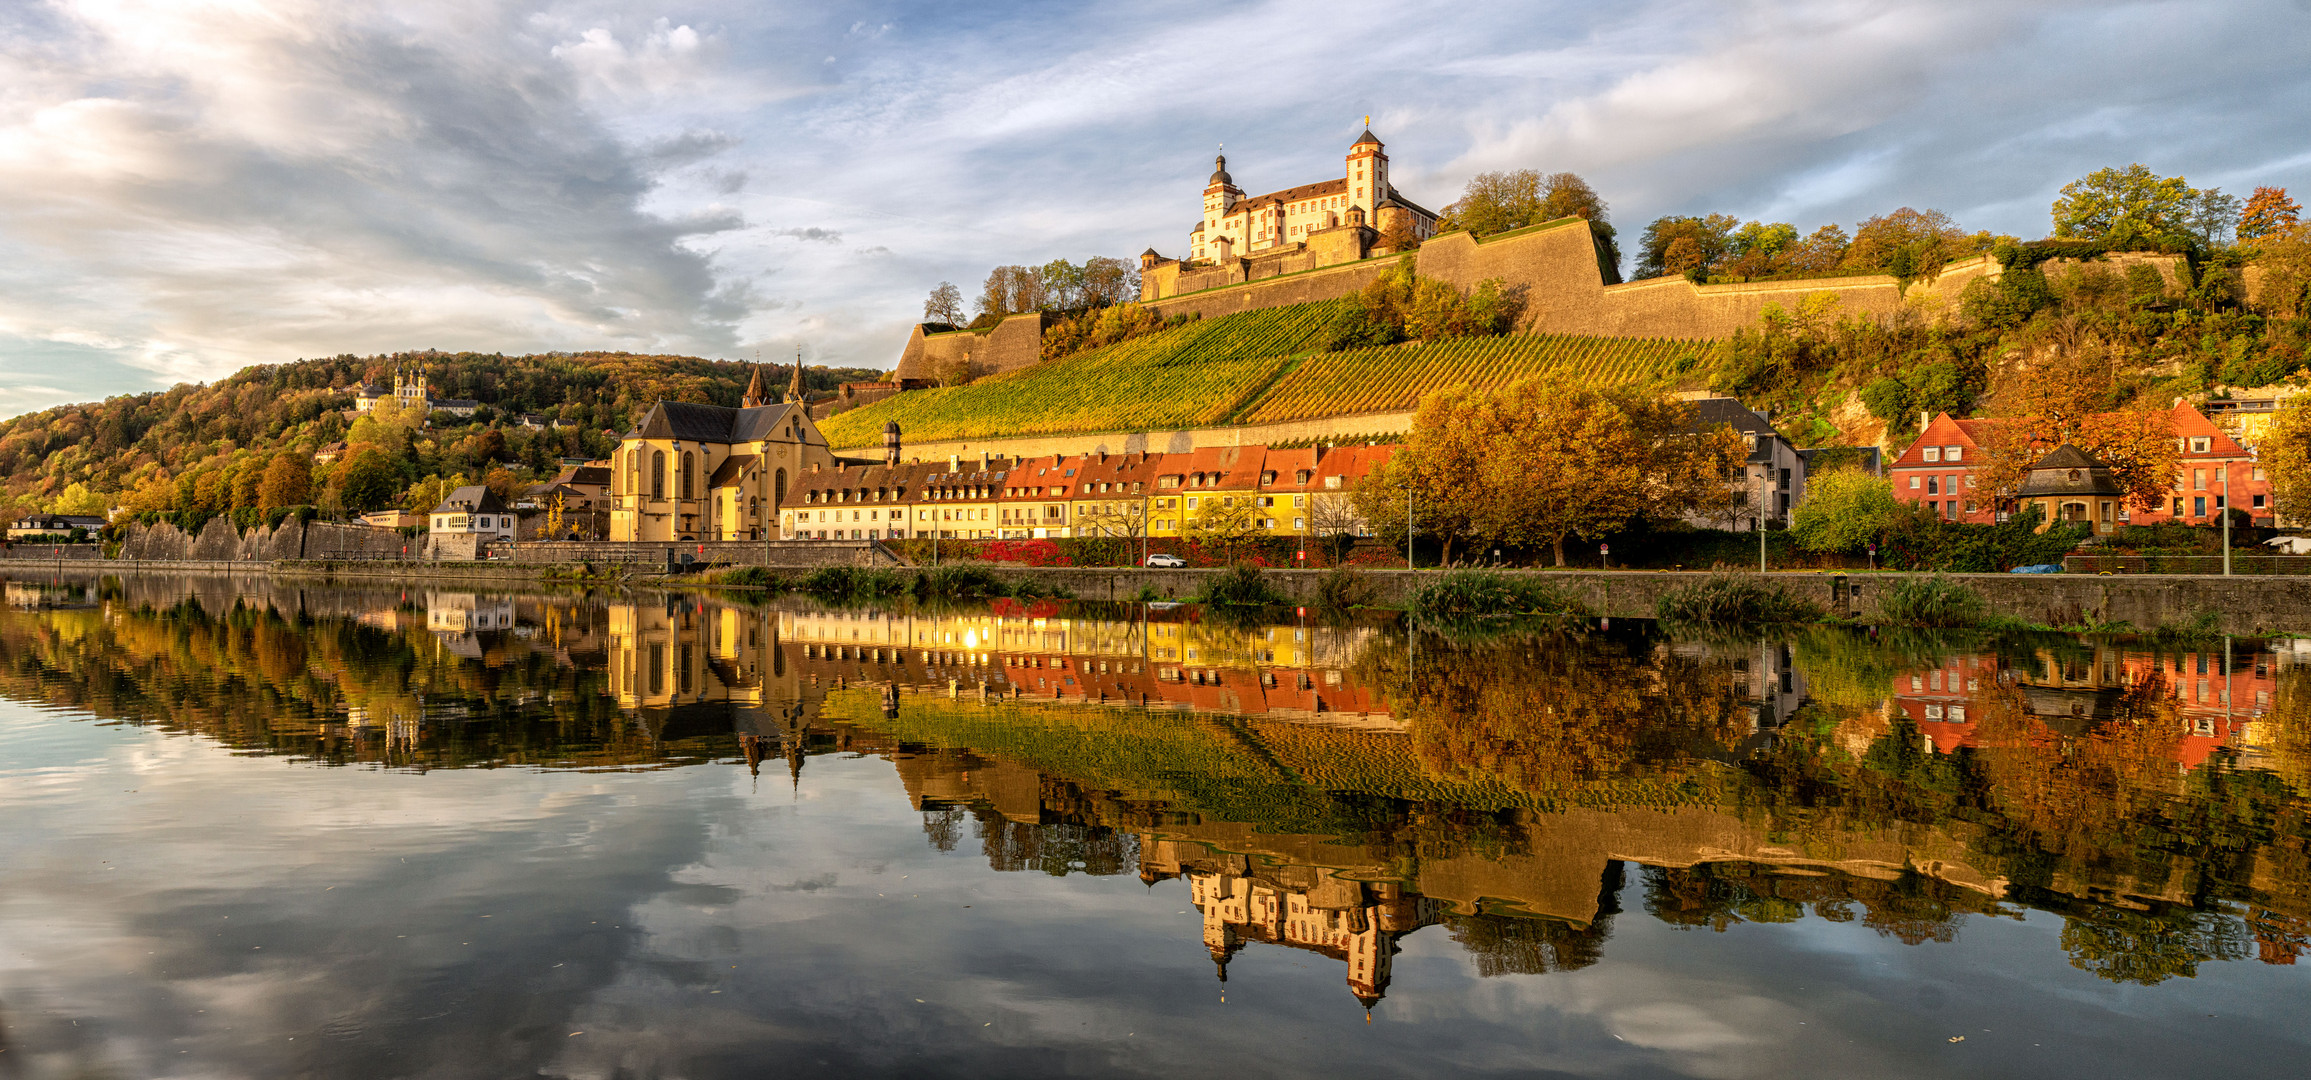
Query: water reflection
(1327, 790)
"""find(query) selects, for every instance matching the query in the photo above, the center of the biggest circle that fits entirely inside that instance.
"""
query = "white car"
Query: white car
(1169, 562)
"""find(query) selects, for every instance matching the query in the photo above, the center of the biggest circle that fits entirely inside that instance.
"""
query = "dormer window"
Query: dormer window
(1933, 453)
(1953, 453)
(1267, 478)
(2201, 444)
(1301, 477)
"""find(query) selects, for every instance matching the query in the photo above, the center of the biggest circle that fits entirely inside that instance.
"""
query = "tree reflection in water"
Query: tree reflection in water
(1326, 787)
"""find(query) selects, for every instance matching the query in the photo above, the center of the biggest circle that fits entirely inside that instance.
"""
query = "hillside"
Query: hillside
(222, 429)
(1254, 367)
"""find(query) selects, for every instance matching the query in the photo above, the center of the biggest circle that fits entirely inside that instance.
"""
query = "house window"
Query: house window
(1913, 481)
(2200, 444)
(2198, 479)
(1953, 453)
(1933, 486)
(2199, 506)
(1933, 453)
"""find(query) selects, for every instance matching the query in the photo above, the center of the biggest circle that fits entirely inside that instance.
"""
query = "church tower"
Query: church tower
(754, 398)
(1367, 173)
(794, 388)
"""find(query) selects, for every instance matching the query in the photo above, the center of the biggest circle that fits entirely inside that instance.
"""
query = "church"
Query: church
(410, 393)
(691, 473)
(1234, 225)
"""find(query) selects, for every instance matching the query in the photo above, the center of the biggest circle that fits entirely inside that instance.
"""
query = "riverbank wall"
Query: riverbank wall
(2246, 606)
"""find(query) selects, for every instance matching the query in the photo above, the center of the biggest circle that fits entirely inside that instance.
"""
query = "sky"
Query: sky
(188, 188)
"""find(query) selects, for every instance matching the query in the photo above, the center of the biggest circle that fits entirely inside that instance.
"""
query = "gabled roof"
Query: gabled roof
(2067, 456)
(709, 423)
(1707, 413)
(471, 499)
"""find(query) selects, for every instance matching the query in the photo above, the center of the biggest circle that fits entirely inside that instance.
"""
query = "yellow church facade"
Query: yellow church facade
(691, 473)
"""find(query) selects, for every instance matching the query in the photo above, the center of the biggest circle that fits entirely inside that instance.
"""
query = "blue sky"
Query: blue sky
(187, 188)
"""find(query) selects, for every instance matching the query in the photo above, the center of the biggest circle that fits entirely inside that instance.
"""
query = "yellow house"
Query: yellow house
(691, 472)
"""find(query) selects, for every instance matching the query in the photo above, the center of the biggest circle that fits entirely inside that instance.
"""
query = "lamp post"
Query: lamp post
(1762, 475)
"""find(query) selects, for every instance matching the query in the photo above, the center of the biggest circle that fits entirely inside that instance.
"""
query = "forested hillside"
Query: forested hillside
(205, 449)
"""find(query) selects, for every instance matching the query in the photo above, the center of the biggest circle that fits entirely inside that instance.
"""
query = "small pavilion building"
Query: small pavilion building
(2070, 487)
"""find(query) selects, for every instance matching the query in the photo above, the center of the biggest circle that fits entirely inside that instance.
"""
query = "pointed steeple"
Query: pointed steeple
(794, 389)
(753, 398)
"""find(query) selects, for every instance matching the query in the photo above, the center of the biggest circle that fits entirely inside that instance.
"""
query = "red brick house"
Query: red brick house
(1943, 467)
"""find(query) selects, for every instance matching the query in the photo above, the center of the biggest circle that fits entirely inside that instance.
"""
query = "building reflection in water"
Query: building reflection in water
(1381, 786)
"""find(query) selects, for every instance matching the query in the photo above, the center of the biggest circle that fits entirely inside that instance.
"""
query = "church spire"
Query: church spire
(794, 389)
(754, 398)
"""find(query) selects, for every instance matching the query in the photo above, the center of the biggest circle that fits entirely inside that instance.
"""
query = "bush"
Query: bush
(959, 583)
(762, 577)
(852, 583)
(1924, 542)
(1932, 601)
(1731, 600)
(1468, 594)
(1241, 586)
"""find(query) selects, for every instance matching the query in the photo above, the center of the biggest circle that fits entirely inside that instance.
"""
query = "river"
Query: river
(279, 830)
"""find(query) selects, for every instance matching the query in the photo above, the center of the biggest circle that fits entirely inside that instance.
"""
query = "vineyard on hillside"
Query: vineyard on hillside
(1191, 376)
(1394, 378)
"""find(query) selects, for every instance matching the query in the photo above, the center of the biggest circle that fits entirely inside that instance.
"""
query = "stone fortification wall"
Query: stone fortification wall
(1328, 283)
(52, 552)
(219, 541)
(1012, 344)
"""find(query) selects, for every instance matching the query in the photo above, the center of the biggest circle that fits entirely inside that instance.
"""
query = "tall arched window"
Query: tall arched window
(689, 466)
(633, 473)
(780, 500)
(657, 474)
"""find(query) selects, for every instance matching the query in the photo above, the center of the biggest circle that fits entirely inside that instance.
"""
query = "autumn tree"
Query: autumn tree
(2286, 457)
(79, 500)
(2268, 211)
(2071, 396)
(1677, 244)
(1538, 462)
(945, 305)
(1908, 243)
(288, 481)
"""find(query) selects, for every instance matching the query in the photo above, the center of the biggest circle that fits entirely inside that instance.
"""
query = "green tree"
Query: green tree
(1844, 511)
(2134, 204)
(1496, 202)
(367, 480)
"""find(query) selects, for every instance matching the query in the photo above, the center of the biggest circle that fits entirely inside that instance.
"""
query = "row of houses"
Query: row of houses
(690, 472)
(1945, 470)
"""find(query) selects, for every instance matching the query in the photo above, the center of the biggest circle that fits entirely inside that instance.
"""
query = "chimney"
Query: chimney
(954, 463)
(984, 457)
(1924, 419)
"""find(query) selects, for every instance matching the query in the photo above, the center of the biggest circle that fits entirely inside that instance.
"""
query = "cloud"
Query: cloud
(209, 187)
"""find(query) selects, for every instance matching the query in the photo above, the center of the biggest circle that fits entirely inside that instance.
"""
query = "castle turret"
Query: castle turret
(1220, 194)
(1367, 171)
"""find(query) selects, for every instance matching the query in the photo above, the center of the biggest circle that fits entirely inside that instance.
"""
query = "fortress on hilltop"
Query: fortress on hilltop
(1326, 240)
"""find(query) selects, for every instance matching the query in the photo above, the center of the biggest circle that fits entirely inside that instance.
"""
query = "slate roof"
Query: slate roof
(727, 473)
(2069, 471)
(709, 423)
(472, 499)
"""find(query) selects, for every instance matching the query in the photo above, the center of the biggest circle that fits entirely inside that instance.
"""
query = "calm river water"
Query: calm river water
(263, 830)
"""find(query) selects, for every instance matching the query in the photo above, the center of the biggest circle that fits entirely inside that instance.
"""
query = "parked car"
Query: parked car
(1169, 562)
(2039, 568)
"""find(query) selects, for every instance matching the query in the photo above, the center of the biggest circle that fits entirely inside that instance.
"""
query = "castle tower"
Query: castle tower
(1220, 195)
(890, 442)
(1367, 173)
(753, 398)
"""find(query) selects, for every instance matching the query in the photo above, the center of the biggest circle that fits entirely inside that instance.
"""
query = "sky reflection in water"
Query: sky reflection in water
(668, 837)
